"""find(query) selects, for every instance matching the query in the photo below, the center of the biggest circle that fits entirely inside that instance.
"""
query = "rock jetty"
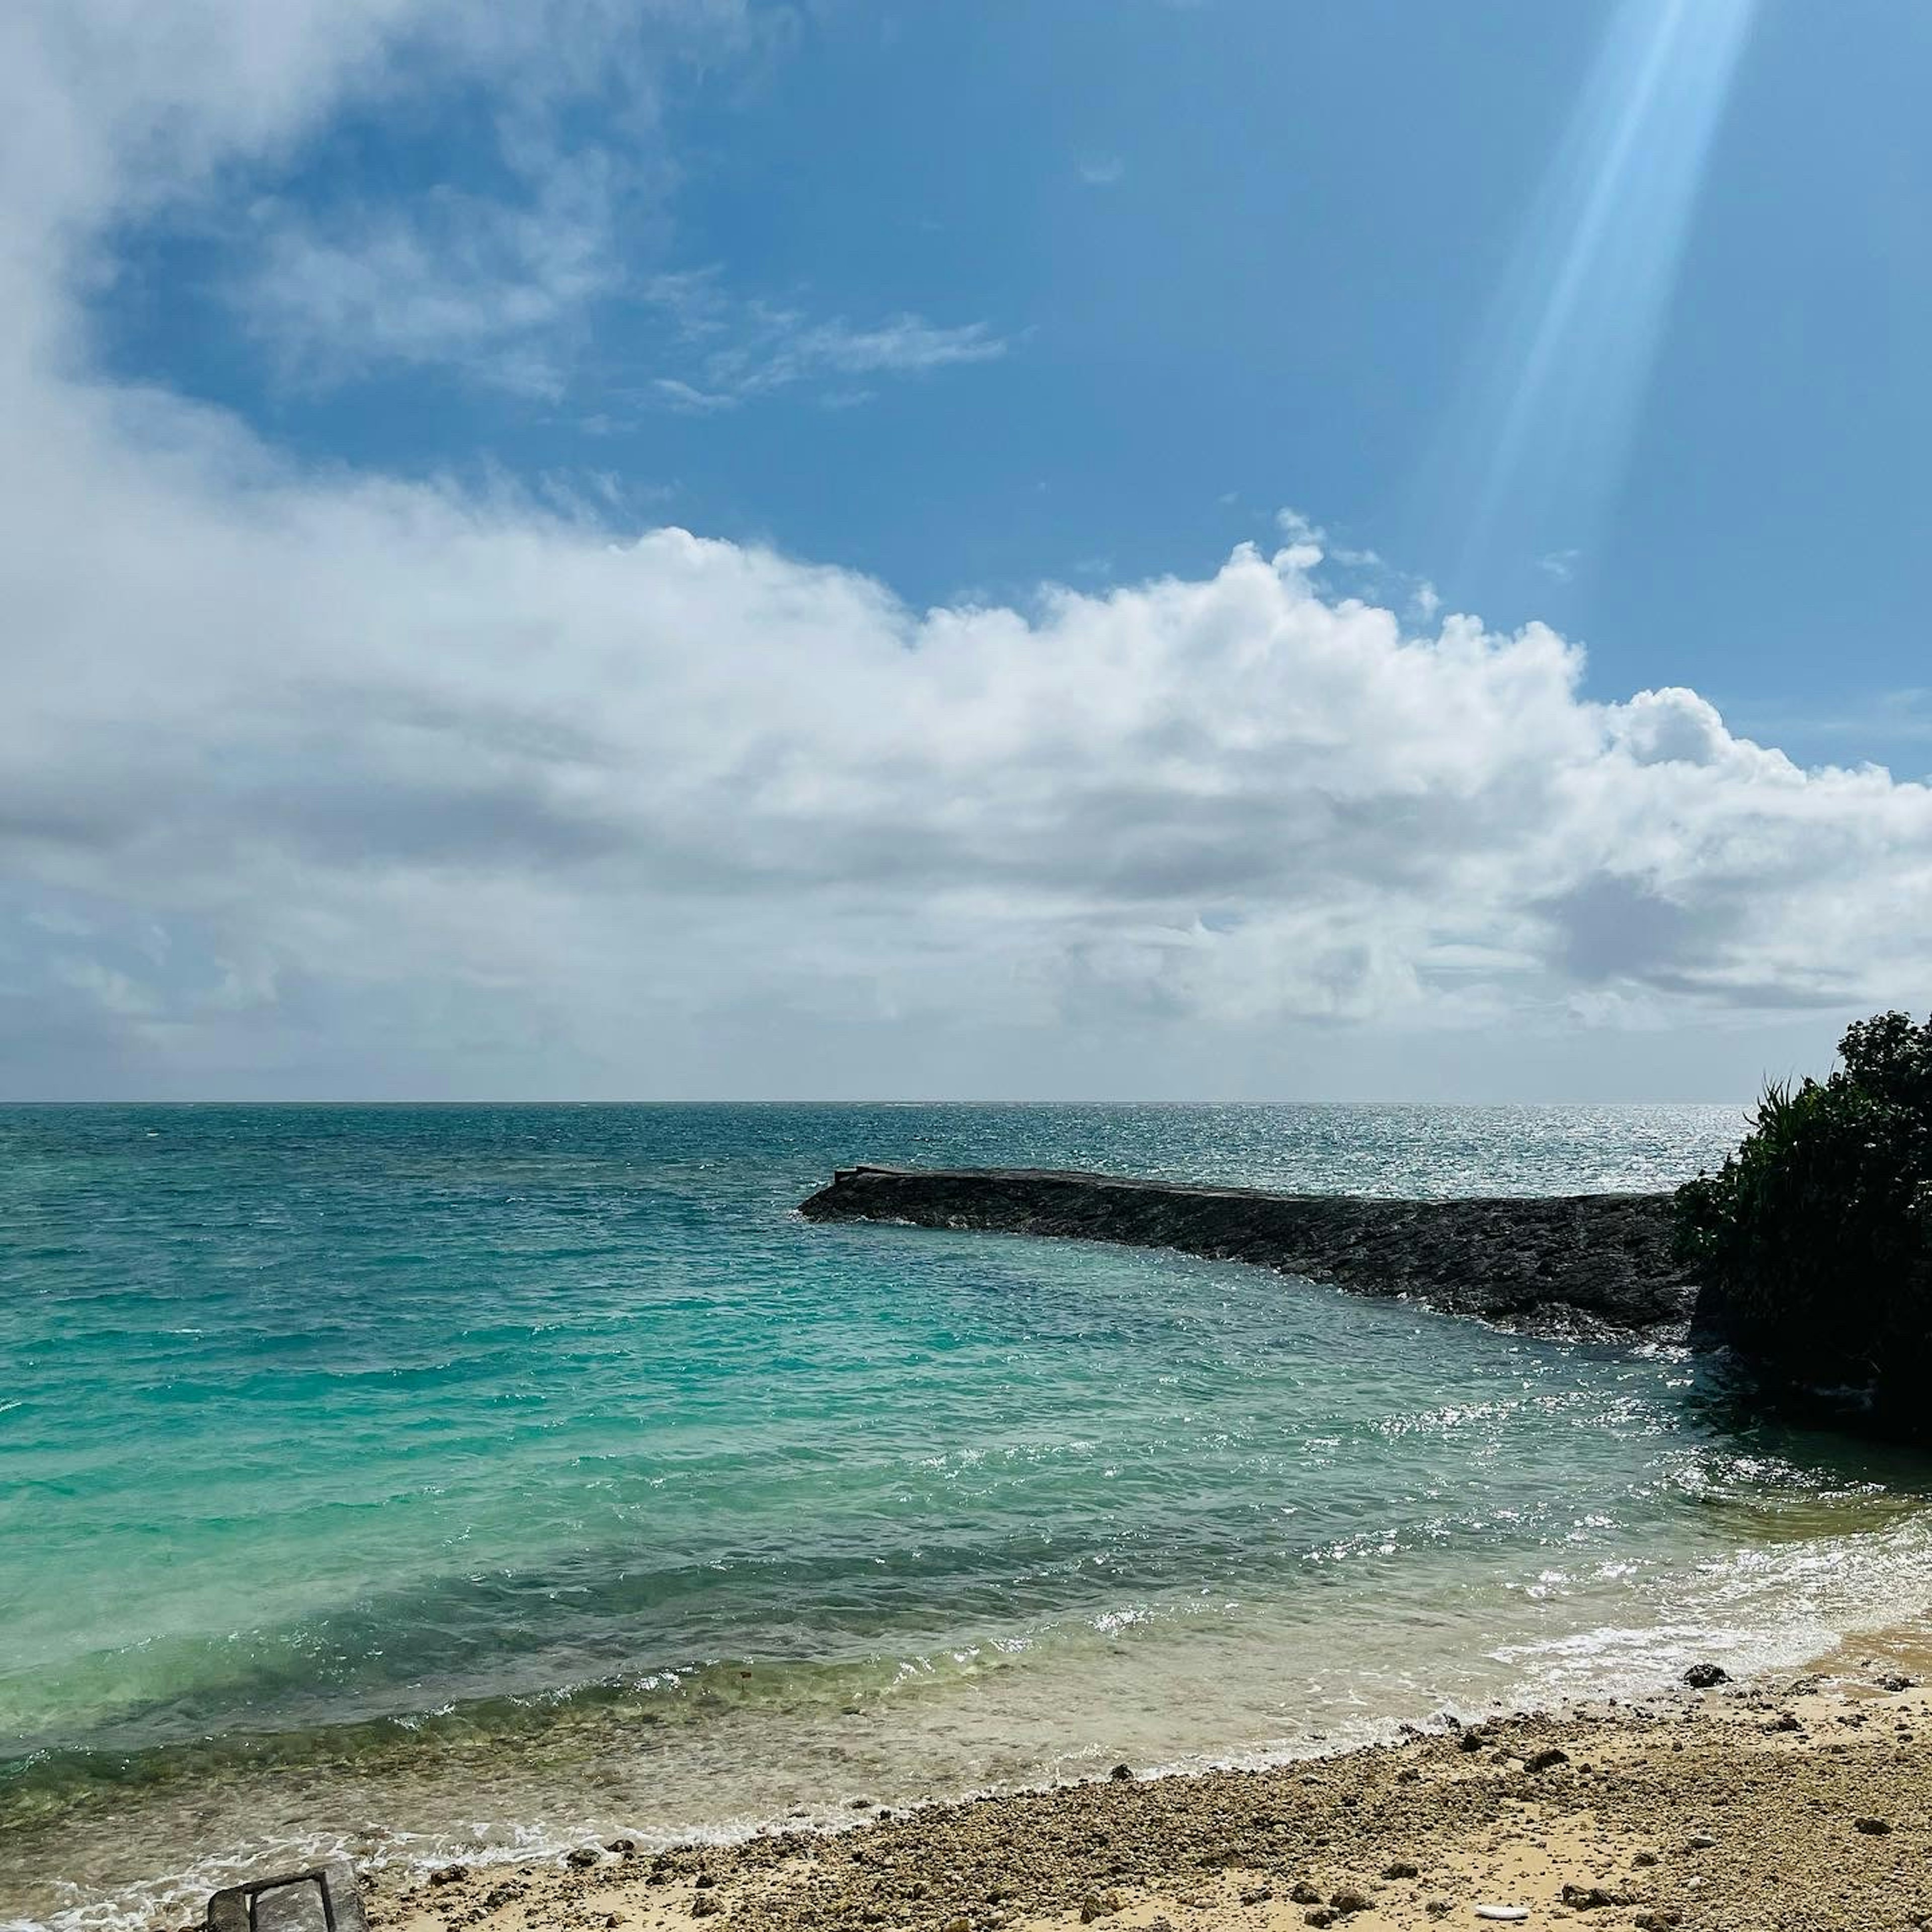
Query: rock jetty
(1578, 1265)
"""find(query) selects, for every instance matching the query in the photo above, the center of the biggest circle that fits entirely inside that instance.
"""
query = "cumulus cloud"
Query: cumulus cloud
(325, 779)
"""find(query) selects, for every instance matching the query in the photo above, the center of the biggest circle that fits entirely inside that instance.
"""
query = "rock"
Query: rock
(1896, 1680)
(622, 1847)
(1706, 1676)
(704, 1881)
(1401, 1868)
(1471, 1740)
(448, 1874)
(1546, 1759)
(1320, 1916)
(1350, 1899)
(1122, 1774)
(1592, 1898)
(1303, 1893)
(1257, 1895)
(1408, 1775)
(1699, 1841)
(583, 1857)
(1098, 1905)
(705, 1905)
(1644, 1859)
(1785, 1721)
(959, 1923)
(1664, 1919)
(1589, 1264)
(1873, 1828)
(1438, 1908)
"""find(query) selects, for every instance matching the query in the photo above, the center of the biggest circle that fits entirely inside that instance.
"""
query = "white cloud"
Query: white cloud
(1102, 170)
(327, 781)
(495, 290)
(748, 349)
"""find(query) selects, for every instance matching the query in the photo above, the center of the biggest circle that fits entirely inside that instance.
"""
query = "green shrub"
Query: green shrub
(1814, 1239)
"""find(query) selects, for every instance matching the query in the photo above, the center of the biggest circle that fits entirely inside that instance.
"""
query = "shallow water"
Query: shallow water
(428, 1479)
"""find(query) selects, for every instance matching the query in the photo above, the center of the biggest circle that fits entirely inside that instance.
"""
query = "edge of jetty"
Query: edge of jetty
(1579, 1265)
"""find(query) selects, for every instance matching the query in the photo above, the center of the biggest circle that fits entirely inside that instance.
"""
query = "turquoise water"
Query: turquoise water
(427, 1480)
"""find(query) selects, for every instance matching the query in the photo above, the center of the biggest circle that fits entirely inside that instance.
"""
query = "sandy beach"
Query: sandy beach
(1798, 1803)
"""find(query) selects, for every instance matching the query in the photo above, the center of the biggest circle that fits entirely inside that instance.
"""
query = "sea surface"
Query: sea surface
(437, 1481)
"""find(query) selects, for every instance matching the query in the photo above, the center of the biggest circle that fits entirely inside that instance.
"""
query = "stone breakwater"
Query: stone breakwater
(1579, 1265)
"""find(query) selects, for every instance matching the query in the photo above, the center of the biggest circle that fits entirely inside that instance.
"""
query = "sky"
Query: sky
(1165, 549)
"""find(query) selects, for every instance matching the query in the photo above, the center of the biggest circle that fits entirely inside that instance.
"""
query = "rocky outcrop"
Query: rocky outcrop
(1585, 1264)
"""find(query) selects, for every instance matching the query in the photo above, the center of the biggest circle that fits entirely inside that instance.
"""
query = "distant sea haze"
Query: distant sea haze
(459, 1480)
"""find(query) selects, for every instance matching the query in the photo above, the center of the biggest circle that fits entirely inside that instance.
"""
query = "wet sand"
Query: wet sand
(1798, 1803)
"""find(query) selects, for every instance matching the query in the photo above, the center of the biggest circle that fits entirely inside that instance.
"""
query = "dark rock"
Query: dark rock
(1122, 1774)
(1587, 1265)
(1320, 1916)
(583, 1857)
(1705, 1676)
(1257, 1895)
(704, 1881)
(1644, 1859)
(1401, 1868)
(1896, 1680)
(1303, 1893)
(448, 1874)
(1873, 1828)
(1350, 1899)
(1664, 1919)
(705, 1905)
(1592, 1898)
(623, 1847)
(1547, 1759)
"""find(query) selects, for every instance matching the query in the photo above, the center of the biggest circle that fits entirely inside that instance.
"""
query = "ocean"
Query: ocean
(463, 1481)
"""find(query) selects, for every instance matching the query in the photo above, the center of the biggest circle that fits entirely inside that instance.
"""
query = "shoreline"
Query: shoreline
(1739, 1806)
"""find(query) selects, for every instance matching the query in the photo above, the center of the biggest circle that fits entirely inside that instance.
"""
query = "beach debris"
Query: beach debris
(1547, 1759)
(1706, 1676)
(1512, 1913)
(1873, 1828)
(321, 1899)
(1401, 1868)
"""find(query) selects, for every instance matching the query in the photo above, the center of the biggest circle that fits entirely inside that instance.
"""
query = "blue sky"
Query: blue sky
(728, 547)
(1196, 262)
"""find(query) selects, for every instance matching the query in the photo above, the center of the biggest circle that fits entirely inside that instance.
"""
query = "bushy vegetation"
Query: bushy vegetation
(1815, 1238)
